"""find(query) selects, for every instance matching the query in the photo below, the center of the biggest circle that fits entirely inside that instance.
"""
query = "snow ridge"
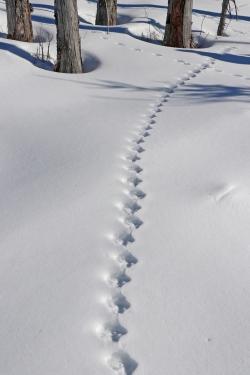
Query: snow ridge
(112, 331)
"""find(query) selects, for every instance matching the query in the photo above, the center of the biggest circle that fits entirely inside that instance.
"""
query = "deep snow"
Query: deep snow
(125, 200)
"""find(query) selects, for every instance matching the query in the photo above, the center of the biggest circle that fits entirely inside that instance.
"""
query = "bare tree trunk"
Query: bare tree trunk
(168, 20)
(178, 32)
(69, 58)
(222, 23)
(19, 20)
(106, 12)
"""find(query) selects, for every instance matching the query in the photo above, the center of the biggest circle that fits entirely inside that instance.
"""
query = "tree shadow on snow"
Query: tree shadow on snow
(43, 19)
(26, 56)
(130, 6)
(200, 93)
(3, 35)
(91, 62)
(225, 57)
(215, 14)
(43, 6)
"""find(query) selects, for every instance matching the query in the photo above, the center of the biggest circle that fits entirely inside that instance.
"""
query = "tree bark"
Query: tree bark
(178, 32)
(168, 20)
(106, 12)
(69, 58)
(222, 23)
(19, 20)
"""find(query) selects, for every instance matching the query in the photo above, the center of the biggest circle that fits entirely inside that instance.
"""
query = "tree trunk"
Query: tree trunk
(221, 27)
(69, 58)
(106, 12)
(19, 20)
(168, 20)
(178, 32)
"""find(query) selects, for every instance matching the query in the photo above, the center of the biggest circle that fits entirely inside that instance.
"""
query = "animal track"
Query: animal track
(134, 220)
(122, 363)
(129, 220)
(157, 54)
(125, 237)
(135, 168)
(137, 49)
(111, 331)
(126, 258)
(118, 278)
(118, 303)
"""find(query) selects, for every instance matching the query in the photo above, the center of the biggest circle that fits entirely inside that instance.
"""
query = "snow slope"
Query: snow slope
(125, 200)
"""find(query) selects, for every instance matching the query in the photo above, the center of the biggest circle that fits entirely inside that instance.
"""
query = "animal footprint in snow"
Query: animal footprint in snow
(169, 89)
(138, 148)
(165, 99)
(135, 181)
(123, 257)
(121, 363)
(155, 106)
(181, 82)
(133, 157)
(196, 70)
(132, 180)
(139, 140)
(192, 74)
(126, 258)
(118, 278)
(157, 54)
(204, 66)
(153, 114)
(134, 220)
(118, 303)
(137, 193)
(125, 237)
(136, 168)
(158, 109)
(131, 206)
(111, 331)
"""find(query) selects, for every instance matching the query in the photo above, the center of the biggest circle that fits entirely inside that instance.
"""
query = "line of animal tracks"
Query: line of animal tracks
(123, 258)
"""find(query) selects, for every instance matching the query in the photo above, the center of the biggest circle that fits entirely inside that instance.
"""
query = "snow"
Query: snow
(125, 200)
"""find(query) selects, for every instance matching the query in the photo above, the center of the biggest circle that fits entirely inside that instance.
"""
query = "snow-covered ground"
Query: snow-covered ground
(125, 199)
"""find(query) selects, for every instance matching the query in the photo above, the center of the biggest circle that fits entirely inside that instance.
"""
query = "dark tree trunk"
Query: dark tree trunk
(221, 27)
(19, 20)
(178, 32)
(68, 38)
(168, 20)
(106, 12)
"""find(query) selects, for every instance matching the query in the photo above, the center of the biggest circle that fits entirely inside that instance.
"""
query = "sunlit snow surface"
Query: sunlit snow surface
(125, 199)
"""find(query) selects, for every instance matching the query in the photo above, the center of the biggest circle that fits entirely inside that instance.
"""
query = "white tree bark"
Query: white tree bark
(19, 20)
(68, 38)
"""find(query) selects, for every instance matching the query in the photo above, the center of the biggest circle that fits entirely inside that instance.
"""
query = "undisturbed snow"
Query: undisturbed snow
(148, 135)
